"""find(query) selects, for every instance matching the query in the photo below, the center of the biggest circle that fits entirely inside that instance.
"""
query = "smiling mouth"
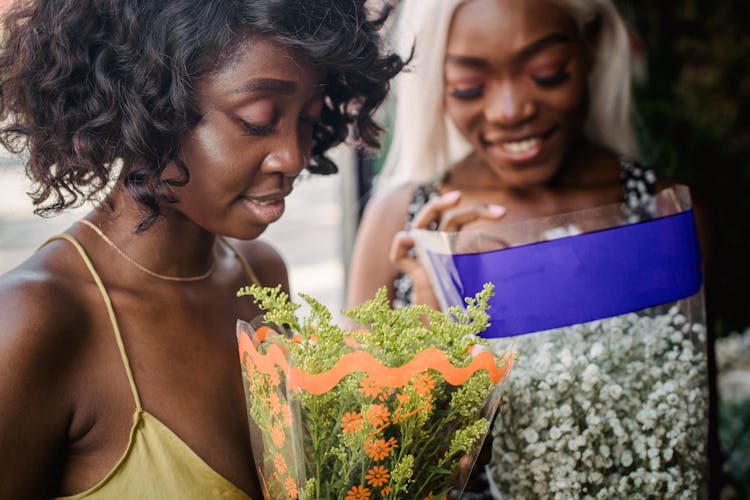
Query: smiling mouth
(520, 149)
(523, 146)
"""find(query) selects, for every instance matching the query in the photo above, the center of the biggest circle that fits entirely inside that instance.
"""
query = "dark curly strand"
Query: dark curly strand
(93, 89)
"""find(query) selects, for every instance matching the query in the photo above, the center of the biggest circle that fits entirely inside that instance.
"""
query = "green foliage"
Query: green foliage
(364, 436)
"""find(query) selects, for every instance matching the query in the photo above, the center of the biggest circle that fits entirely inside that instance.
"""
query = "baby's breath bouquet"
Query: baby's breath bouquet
(384, 412)
(615, 408)
(609, 395)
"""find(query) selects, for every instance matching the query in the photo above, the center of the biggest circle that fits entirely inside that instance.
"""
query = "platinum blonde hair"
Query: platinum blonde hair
(425, 142)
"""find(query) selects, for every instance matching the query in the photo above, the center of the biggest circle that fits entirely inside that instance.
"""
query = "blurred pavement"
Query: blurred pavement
(308, 236)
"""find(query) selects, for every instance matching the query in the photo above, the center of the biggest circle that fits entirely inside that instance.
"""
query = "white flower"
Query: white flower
(565, 410)
(555, 433)
(530, 435)
(610, 409)
(596, 350)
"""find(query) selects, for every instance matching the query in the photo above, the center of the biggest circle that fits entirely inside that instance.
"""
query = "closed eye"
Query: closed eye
(257, 129)
(467, 93)
(552, 80)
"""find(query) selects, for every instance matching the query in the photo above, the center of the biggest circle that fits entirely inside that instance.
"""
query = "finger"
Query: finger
(465, 467)
(399, 253)
(433, 210)
(453, 221)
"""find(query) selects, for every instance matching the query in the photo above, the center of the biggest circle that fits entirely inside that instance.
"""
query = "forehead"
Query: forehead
(261, 59)
(477, 24)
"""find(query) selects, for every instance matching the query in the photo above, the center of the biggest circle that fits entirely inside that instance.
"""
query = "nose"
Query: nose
(289, 156)
(509, 105)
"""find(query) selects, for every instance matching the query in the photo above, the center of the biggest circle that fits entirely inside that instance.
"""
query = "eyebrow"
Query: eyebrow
(535, 47)
(526, 53)
(283, 87)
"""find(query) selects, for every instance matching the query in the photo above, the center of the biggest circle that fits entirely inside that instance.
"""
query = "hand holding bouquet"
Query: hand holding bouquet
(386, 412)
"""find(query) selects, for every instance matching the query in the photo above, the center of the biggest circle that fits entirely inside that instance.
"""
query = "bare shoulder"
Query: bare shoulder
(384, 216)
(43, 317)
(264, 260)
(371, 268)
(390, 206)
(43, 308)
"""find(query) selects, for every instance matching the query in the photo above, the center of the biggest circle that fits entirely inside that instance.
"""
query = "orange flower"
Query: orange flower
(291, 488)
(249, 366)
(429, 495)
(424, 384)
(378, 415)
(402, 397)
(370, 387)
(386, 490)
(351, 422)
(274, 403)
(380, 448)
(377, 476)
(273, 378)
(358, 493)
(262, 332)
(286, 414)
(277, 435)
(280, 463)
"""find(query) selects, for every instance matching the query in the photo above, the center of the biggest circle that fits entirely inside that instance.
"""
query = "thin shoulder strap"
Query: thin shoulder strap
(110, 310)
(245, 264)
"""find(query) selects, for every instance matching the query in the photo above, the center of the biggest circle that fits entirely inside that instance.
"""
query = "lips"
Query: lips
(265, 208)
(517, 147)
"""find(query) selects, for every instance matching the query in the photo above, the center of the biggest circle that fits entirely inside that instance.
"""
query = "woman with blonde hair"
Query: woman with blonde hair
(509, 111)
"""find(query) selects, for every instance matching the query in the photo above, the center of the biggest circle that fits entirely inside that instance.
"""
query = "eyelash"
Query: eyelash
(552, 80)
(255, 129)
(467, 93)
(261, 130)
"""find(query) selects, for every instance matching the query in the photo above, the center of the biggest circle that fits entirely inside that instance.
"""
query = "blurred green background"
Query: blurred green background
(693, 105)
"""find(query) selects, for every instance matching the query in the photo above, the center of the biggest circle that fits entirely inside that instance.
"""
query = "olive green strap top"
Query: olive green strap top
(156, 464)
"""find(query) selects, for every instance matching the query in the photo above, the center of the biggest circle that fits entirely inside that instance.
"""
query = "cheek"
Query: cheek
(207, 146)
(217, 157)
(464, 115)
(572, 101)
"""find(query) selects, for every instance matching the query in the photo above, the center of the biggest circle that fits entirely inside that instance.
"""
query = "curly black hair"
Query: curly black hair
(99, 90)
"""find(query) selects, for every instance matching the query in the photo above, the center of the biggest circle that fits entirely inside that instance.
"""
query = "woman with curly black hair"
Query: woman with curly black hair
(187, 122)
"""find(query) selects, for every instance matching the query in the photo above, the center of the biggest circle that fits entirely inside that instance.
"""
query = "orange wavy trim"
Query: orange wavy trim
(360, 361)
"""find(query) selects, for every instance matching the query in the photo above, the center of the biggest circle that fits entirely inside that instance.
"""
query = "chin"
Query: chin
(527, 176)
(250, 232)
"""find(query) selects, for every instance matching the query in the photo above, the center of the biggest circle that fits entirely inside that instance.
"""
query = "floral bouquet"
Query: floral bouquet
(387, 412)
(609, 397)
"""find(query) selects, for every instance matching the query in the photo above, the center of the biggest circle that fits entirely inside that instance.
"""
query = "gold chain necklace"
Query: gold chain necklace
(142, 267)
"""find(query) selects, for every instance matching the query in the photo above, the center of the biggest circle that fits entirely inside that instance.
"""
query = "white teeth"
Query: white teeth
(522, 146)
(264, 203)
